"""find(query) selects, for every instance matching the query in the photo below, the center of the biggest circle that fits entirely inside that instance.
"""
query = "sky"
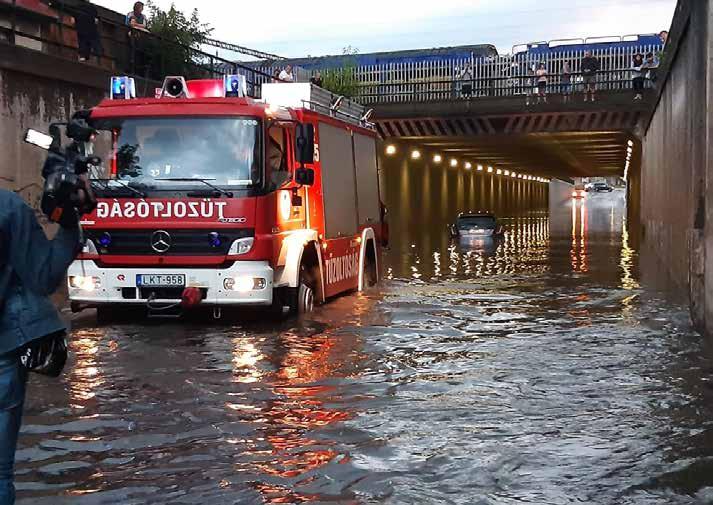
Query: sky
(319, 27)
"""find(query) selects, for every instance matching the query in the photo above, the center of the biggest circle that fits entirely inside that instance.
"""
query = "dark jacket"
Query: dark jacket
(86, 20)
(590, 65)
(31, 269)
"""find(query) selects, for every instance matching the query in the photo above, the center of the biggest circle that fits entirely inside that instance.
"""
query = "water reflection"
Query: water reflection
(534, 369)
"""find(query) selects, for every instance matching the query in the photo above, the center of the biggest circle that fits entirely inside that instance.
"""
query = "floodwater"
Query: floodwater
(533, 371)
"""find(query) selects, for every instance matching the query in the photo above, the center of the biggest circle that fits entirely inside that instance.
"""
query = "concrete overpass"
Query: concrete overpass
(556, 139)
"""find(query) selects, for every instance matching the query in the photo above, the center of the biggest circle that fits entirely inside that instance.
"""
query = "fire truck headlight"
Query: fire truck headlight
(244, 284)
(241, 246)
(87, 284)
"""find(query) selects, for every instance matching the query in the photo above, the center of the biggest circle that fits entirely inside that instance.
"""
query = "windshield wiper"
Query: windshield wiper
(221, 191)
(121, 184)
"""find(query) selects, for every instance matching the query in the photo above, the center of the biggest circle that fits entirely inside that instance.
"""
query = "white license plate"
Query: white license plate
(161, 280)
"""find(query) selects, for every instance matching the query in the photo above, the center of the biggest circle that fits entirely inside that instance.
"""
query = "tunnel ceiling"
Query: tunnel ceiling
(562, 140)
(559, 155)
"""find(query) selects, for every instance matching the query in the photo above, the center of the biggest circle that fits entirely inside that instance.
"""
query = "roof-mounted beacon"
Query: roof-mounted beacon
(122, 88)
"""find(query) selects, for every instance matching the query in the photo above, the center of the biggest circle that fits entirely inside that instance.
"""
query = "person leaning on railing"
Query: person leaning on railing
(136, 19)
(138, 23)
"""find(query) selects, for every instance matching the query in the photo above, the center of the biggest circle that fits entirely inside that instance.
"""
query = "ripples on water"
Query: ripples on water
(534, 371)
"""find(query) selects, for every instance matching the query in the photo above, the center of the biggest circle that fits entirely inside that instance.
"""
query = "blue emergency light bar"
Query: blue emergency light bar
(122, 88)
(235, 85)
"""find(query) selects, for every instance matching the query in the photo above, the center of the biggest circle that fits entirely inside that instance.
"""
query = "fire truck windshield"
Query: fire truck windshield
(167, 153)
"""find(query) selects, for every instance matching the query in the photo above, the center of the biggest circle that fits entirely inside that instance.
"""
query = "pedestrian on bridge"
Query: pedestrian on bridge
(637, 76)
(566, 82)
(286, 75)
(590, 67)
(541, 74)
(651, 64)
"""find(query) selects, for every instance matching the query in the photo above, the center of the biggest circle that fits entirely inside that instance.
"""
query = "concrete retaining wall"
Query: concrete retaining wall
(676, 164)
(35, 90)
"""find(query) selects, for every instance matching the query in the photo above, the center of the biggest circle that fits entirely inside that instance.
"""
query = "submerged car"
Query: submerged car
(480, 225)
(602, 186)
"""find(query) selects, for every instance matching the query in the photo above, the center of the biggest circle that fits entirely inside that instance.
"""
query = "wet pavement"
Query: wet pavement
(533, 371)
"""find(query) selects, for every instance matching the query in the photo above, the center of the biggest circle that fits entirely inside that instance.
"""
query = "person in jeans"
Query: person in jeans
(590, 67)
(31, 269)
(637, 76)
(566, 82)
(86, 22)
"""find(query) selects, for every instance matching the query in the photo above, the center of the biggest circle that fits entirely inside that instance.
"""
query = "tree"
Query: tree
(177, 38)
(343, 80)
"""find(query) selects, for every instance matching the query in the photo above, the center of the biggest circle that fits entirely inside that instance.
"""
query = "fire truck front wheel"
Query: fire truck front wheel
(300, 300)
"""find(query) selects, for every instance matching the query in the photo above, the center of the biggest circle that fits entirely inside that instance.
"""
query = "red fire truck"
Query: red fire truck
(208, 195)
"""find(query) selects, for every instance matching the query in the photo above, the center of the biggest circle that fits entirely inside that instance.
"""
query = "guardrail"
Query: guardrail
(467, 89)
(125, 50)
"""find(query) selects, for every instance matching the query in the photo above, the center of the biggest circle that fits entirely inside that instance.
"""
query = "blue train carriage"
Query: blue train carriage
(414, 65)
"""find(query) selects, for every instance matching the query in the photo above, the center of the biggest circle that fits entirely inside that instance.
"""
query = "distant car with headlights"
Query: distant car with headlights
(476, 225)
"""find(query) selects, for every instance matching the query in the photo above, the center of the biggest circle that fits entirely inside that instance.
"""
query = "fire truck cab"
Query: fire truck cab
(208, 194)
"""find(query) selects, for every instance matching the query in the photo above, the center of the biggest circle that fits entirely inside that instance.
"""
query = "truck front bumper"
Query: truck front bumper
(91, 285)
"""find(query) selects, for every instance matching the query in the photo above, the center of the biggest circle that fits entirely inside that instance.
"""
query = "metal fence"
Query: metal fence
(499, 76)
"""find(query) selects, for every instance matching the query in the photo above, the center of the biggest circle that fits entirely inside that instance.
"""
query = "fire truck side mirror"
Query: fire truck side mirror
(304, 144)
(304, 176)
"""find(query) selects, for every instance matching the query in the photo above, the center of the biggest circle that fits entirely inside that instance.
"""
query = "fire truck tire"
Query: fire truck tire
(305, 299)
(371, 276)
(301, 298)
(294, 301)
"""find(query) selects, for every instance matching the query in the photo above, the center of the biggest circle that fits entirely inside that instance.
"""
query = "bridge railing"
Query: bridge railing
(495, 76)
(124, 50)
(496, 87)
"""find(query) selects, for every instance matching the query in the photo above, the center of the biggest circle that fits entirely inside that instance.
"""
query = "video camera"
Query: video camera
(66, 195)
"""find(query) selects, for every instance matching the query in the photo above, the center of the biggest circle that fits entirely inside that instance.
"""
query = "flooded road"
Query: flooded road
(534, 371)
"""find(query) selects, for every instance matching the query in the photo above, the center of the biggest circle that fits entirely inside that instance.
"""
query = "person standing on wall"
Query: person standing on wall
(590, 67)
(86, 22)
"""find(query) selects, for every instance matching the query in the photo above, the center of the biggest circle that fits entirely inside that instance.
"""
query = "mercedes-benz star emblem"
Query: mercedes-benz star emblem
(160, 241)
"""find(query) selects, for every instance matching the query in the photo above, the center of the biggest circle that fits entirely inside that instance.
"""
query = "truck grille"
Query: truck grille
(181, 242)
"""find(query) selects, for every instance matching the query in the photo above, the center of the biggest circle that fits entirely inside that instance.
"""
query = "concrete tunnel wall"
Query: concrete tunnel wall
(35, 90)
(423, 197)
(676, 204)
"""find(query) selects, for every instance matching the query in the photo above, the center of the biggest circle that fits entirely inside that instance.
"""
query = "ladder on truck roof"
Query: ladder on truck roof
(305, 95)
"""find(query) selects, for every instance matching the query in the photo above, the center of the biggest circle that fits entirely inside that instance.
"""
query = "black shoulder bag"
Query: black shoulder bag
(46, 355)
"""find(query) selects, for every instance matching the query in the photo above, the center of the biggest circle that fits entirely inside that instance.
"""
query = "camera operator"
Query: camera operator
(31, 269)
